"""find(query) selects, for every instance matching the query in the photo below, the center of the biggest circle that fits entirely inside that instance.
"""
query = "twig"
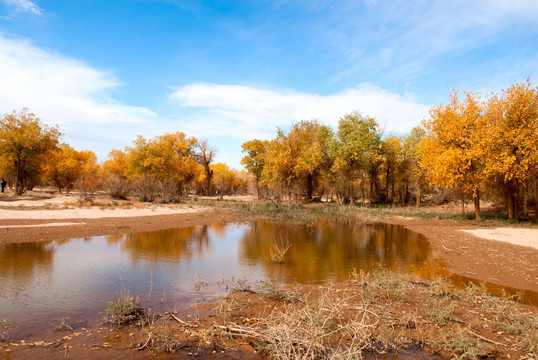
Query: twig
(178, 319)
(485, 339)
(52, 343)
(447, 249)
(238, 331)
(150, 286)
(145, 345)
(363, 309)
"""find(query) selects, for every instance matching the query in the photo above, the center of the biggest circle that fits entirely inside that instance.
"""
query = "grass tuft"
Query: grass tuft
(126, 310)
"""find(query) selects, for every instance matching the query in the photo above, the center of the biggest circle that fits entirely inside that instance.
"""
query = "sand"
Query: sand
(523, 237)
(64, 207)
(91, 213)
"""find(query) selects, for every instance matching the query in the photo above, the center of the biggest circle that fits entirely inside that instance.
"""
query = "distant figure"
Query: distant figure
(3, 184)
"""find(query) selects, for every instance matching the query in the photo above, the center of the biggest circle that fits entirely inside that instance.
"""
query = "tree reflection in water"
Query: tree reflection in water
(329, 250)
(20, 261)
(166, 245)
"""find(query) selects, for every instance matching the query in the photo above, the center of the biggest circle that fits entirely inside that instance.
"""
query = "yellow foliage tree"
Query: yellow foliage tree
(223, 178)
(451, 153)
(115, 174)
(161, 165)
(293, 160)
(25, 142)
(241, 179)
(511, 142)
(65, 166)
(254, 160)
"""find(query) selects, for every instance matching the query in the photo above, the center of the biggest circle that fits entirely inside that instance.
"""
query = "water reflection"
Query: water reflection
(76, 277)
(20, 261)
(331, 249)
(165, 245)
(20, 264)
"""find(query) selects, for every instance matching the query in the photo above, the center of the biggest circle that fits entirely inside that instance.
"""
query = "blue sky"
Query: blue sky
(106, 71)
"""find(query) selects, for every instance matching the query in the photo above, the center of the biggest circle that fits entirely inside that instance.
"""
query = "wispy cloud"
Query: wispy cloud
(67, 92)
(406, 40)
(24, 6)
(245, 112)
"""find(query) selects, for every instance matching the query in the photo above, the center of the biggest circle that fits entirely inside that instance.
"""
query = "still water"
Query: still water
(76, 277)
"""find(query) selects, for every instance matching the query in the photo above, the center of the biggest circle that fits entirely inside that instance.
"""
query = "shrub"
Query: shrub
(124, 311)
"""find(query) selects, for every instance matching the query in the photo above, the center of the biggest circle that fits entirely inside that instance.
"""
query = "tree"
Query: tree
(511, 142)
(205, 155)
(223, 178)
(25, 141)
(357, 151)
(115, 171)
(391, 149)
(411, 170)
(292, 162)
(451, 153)
(65, 166)
(254, 160)
(163, 164)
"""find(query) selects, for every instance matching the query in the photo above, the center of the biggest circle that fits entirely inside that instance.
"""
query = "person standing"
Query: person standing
(3, 184)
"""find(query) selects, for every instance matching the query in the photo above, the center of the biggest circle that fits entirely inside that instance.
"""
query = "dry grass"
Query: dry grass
(380, 313)
(5, 325)
(278, 250)
(374, 313)
(315, 329)
(125, 310)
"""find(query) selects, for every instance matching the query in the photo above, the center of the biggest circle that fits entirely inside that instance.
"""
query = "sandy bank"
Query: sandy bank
(523, 237)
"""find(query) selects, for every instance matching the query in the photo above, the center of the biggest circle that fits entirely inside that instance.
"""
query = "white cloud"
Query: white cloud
(66, 92)
(245, 112)
(24, 6)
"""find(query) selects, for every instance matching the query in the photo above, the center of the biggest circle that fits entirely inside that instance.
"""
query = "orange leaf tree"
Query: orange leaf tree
(451, 153)
(511, 139)
(25, 142)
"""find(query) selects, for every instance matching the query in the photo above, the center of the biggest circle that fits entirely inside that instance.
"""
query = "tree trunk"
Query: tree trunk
(525, 200)
(257, 187)
(462, 211)
(387, 185)
(510, 204)
(419, 192)
(20, 181)
(309, 186)
(517, 214)
(536, 197)
(477, 206)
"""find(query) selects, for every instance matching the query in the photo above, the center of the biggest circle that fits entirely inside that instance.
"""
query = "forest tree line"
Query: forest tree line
(163, 168)
(478, 146)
